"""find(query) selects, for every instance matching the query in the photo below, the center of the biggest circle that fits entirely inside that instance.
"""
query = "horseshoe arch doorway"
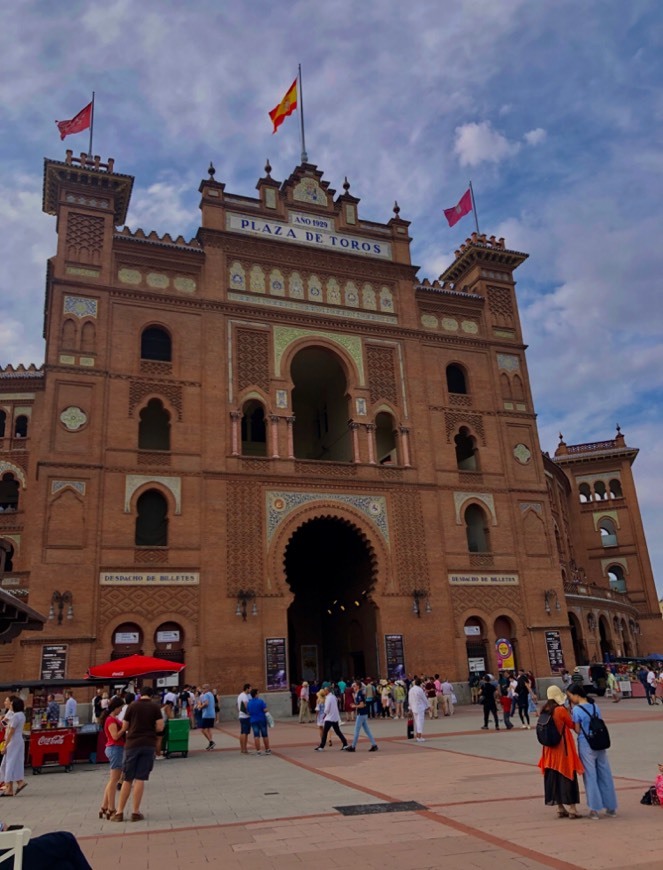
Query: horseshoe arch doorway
(332, 621)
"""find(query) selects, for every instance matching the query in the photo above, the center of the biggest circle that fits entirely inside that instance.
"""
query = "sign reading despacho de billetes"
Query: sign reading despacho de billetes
(308, 235)
(135, 578)
(483, 579)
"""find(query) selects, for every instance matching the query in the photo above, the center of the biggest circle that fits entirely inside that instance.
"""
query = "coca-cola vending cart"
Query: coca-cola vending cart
(47, 746)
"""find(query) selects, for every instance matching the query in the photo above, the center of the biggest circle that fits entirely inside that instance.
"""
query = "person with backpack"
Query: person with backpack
(593, 741)
(559, 762)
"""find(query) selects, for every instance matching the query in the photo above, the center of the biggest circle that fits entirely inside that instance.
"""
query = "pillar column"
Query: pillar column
(274, 433)
(370, 434)
(236, 417)
(291, 439)
(354, 428)
(405, 445)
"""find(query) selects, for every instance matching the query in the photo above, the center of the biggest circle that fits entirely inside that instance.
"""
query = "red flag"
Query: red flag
(77, 124)
(286, 107)
(453, 215)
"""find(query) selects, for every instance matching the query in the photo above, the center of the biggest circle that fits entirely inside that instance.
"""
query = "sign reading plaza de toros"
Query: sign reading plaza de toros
(135, 578)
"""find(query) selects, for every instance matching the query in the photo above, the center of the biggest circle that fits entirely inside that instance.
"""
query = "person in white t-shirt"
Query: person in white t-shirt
(244, 718)
(331, 719)
(418, 704)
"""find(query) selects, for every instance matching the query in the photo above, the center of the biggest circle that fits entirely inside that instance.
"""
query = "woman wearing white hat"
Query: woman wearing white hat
(559, 763)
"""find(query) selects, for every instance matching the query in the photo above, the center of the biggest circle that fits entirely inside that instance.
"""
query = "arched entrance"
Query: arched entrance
(332, 633)
(606, 642)
(579, 646)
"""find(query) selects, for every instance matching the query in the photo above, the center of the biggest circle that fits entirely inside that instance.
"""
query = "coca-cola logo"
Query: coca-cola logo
(51, 740)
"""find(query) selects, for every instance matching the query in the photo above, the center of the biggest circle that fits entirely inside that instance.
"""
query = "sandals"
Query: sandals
(575, 815)
(562, 814)
(137, 817)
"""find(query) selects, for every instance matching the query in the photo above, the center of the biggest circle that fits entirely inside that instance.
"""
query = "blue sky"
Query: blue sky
(553, 109)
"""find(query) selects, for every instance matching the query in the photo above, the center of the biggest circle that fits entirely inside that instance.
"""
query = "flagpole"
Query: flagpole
(89, 153)
(474, 209)
(301, 115)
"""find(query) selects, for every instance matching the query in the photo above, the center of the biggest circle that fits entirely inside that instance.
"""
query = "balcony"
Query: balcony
(616, 593)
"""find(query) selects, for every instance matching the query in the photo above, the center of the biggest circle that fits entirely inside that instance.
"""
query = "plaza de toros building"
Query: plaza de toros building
(272, 452)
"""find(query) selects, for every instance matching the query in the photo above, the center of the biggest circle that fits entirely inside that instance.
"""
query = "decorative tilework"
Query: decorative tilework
(531, 505)
(134, 481)
(599, 515)
(522, 453)
(386, 299)
(351, 295)
(282, 503)
(368, 297)
(237, 277)
(276, 283)
(86, 361)
(429, 321)
(72, 418)
(450, 324)
(508, 362)
(257, 280)
(78, 485)
(485, 498)
(308, 190)
(296, 286)
(471, 327)
(129, 276)
(184, 285)
(66, 360)
(285, 335)
(80, 306)
(333, 292)
(157, 281)
(82, 272)
(282, 399)
(360, 405)
(341, 313)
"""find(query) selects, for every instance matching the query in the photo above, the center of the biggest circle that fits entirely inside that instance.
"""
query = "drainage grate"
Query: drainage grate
(370, 809)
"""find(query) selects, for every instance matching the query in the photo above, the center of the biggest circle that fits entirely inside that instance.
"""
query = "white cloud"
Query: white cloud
(478, 143)
(535, 137)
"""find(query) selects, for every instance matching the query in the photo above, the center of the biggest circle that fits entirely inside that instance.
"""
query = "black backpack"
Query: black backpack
(547, 732)
(597, 733)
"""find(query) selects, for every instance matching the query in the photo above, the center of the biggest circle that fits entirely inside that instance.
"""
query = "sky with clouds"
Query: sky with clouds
(553, 109)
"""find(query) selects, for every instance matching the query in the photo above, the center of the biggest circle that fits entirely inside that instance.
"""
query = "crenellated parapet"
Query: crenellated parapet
(141, 236)
(20, 371)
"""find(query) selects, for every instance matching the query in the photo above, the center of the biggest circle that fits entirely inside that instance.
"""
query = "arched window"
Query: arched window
(476, 528)
(151, 520)
(456, 381)
(3, 423)
(466, 451)
(155, 344)
(608, 533)
(6, 556)
(616, 489)
(585, 492)
(385, 439)
(320, 406)
(69, 335)
(505, 387)
(88, 337)
(127, 640)
(21, 427)
(154, 427)
(254, 432)
(616, 578)
(518, 390)
(8, 492)
(599, 491)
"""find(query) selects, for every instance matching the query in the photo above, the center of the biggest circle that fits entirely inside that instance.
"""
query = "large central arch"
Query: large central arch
(332, 621)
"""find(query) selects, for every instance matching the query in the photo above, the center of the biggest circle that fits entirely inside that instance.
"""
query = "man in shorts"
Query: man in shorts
(208, 711)
(244, 718)
(142, 724)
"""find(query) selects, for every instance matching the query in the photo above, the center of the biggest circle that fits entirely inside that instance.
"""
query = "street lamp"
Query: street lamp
(549, 596)
(59, 600)
(418, 596)
(244, 596)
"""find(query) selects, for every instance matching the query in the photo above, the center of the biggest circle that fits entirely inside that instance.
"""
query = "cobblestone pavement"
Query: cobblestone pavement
(480, 793)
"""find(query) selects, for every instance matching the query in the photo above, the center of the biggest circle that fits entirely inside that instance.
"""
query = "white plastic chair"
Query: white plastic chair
(14, 841)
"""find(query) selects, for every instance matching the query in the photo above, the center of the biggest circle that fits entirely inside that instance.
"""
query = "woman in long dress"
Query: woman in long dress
(12, 770)
(561, 764)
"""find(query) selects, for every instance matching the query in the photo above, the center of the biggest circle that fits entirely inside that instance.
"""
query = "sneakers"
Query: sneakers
(319, 748)
(210, 745)
(267, 752)
(258, 752)
(611, 813)
(349, 749)
(420, 739)
(373, 748)
(484, 727)
(594, 815)
(345, 747)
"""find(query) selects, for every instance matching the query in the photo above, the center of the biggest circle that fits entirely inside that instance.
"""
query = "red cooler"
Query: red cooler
(46, 744)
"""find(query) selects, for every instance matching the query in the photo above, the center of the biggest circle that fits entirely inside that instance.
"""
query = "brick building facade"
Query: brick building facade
(273, 453)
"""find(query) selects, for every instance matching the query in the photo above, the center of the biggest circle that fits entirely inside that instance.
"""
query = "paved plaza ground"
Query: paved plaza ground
(480, 792)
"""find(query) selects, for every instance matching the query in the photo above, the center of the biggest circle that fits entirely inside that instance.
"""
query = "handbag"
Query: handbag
(454, 699)
(3, 746)
(270, 719)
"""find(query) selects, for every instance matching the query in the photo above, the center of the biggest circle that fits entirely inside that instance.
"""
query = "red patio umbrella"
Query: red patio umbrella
(133, 666)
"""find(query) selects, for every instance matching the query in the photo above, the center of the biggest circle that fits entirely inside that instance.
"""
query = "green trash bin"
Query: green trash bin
(176, 737)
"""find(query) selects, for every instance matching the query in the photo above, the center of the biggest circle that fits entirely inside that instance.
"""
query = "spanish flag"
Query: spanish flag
(286, 107)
